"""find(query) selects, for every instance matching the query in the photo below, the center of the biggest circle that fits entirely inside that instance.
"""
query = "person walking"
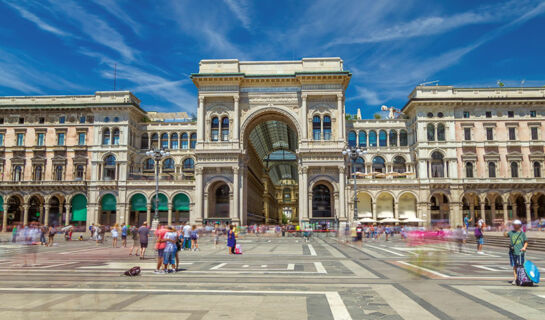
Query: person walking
(517, 247)
(43, 231)
(143, 234)
(91, 230)
(169, 254)
(124, 231)
(194, 238)
(231, 240)
(135, 241)
(216, 235)
(50, 235)
(14, 234)
(160, 245)
(186, 230)
(479, 236)
(115, 235)
(460, 237)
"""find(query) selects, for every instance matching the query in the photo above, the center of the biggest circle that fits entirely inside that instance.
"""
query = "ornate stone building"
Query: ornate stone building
(266, 147)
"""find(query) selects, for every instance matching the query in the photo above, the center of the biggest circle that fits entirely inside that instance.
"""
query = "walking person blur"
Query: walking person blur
(231, 240)
(115, 235)
(479, 236)
(216, 235)
(14, 234)
(143, 234)
(517, 247)
(169, 253)
(124, 231)
(50, 235)
(160, 245)
(43, 231)
(135, 240)
(460, 237)
(186, 230)
(194, 238)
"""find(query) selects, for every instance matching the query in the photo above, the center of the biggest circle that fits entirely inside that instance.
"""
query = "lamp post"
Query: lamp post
(157, 155)
(353, 154)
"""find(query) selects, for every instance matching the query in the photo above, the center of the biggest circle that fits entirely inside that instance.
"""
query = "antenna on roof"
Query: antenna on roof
(522, 83)
(429, 82)
(115, 75)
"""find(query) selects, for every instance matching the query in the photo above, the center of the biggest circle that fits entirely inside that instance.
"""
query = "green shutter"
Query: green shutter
(163, 202)
(109, 203)
(181, 202)
(79, 208)
(138, 202)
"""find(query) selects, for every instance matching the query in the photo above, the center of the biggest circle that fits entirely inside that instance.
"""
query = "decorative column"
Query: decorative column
(375, 210)
(25, 214)
(505, 212)
(342, 200)
(46, 215)
(236, 193)
(236, 120)
(483, 214)
(340, 120)
(304, 112)
(396, 209)
(169, 217)
(528, 213)
(305, 212)
(199, 192)
(5, 217)
(301, 197)
(472, 210)
(205, 206)
(455, 218)
(67, 217)
(240, 215)
(148, 214)
(201, 120)
(493, 209)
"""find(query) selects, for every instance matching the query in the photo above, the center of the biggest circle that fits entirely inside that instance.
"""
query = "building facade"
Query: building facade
(266, 147)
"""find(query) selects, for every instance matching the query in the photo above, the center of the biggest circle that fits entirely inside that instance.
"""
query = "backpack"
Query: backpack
(478, 232)
(133, 272)
(522, 278)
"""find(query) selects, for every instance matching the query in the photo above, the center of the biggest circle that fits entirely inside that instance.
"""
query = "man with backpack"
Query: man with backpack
(517, 247)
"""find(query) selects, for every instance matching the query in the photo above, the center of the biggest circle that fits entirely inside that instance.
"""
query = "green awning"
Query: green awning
(109, 203)
(181, 202)
(79, 208)
(139, 202)
(1, 203)
(163, 202)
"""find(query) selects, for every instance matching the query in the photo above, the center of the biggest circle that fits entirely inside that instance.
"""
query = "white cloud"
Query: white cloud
(369, 96)
(240, 9)
(37, 21)
(120, 14)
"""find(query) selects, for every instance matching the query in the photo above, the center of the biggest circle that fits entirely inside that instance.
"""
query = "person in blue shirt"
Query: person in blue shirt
(466, 222)
(124, 230)
(518, 243)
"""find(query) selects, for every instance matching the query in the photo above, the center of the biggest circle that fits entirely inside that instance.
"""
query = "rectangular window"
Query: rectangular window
(40, 139)
(1, 120)
(489, 114)
(489, 134)
(535, 135)
(21, 120)
(466, 114)
(1, 139)
(62, 119)
(511, 114)
(82, 119)
(41, 120)
(20, 139)
(81, 138)
(512, 133)
(467, 134)
(533, 113)
(60, 139)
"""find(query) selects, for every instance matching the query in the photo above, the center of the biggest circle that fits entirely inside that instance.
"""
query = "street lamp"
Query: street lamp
(354, 153)
(157, 155)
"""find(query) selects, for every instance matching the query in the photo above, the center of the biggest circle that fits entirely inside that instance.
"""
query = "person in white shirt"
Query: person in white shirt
(187, 236)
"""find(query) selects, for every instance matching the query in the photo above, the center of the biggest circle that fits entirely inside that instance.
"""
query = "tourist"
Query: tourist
(231, 240)
(479, 236)
(216, 235)
(115, 234)
(467, 220)
(194, 237)
(43, 231)
(186, 230)
(51, 235)
(160, 245)
(92, 230)
(124, 230)
(460, 237)
(387, 231)
(169, 239)
(135, 240)
(359, 233)
(143, 233)
(517, 247)
(14, 234)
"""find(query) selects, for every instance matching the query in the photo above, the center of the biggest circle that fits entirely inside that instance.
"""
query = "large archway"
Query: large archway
(385, 205)
(180, 205)
(407, 206)
(139, 208)
(79, 209)
(35, 208)
(439, 209)
(365, 205)
(15, 210)
(218, 201)
(108, 208)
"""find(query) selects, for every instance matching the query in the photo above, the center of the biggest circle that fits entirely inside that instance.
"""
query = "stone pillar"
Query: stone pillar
(455, 218)
(305, 212)
(198, 215)
(148, 214)
(236, 194)
(340, 114)
(493, 209)
(514, 211)
(205, 213)
(528, 214)
(375, 210)
(505, 212)
(396, 209)
(483, 214)
(472, 210)
(304, 113)
(46, 215)
(25, 214)
(236, 129)
(201, 134)
(169, 218)
(300, 196)
(343, 216)
(67, 217)
(5, 217)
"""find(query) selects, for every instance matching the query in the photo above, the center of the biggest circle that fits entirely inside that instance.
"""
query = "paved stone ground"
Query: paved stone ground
(275, 278)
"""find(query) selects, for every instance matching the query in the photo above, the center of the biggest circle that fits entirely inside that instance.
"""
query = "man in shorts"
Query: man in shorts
(124, 230)
(517, 246)
(135, 240)
(143, 234)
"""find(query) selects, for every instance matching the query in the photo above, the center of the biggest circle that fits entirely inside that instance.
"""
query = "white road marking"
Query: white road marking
(390, 251)
(263, 266)
(406, 307)
(246, 266)
(291, 266)
(311, 249)
(216, 267)
(425, 269)
(83, 250)
(486, 268)
(358, 270)
(336, 304)
(319, 267)
(541, 296)
(127, 265)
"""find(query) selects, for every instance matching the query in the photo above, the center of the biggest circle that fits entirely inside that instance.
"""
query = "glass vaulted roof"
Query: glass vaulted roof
(275, 143)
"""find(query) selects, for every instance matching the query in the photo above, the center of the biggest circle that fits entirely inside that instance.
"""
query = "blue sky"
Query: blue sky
(70, 47)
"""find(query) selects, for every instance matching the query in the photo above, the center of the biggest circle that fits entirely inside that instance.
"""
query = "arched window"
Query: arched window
(431, 132)
(224, 129)
(154, 141)
(316, 127)
(144, 143)
(38, 173)
(286, 195)
(168, 165)
(403, 141)
(514, 169)
(106, 136)
(115, 139)
(537, 169)
(109, 168)
(372, 138)
(352, 139)
(164, 141)
(379, 165)
(185, 142)
(469, 170)
(437, 165)
(440, 132)
(174, 141)
(491, 169)
(79, 172)
(382, 138)
(193, 141)
(59, 173)
(188, 164)
(362, 137)
(149, 164)
(321, 202)
(17, 173)
(327, 128)
(215, 124)
(393, 138)
(359, 165)
(399, 165)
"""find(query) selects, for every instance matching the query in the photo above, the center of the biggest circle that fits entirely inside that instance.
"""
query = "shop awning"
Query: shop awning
(79, 208)
(109, 203)
(139, 202)
(181, 202)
